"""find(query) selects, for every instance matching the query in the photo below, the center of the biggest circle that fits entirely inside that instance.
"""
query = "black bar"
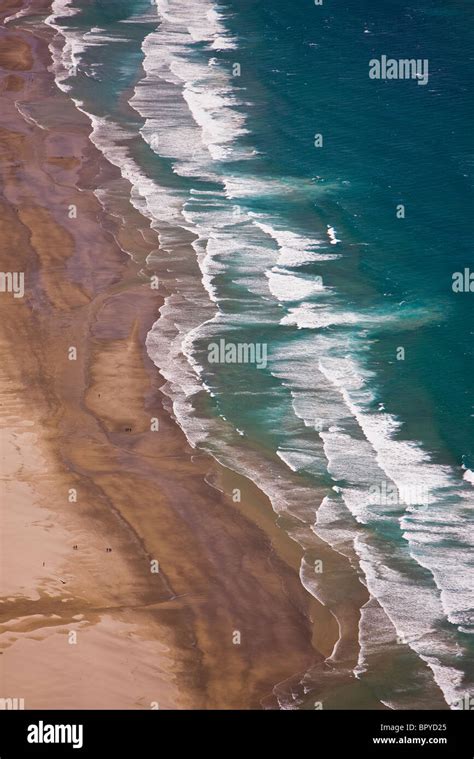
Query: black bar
(157, 733)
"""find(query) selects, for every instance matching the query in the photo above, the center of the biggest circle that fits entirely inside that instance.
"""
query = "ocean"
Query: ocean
(316, 216)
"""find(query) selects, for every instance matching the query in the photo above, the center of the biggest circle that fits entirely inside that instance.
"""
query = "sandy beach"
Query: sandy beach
(127, 581)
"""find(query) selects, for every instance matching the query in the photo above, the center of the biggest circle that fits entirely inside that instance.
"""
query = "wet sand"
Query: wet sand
(94, 498)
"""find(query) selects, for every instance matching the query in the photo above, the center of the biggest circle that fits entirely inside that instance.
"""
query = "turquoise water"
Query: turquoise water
(394, 142)
(334, 416)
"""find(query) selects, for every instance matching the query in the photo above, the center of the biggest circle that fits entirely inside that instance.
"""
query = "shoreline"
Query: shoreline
(233, 570)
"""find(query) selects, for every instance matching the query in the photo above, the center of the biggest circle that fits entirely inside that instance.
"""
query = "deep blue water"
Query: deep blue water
(394, 142)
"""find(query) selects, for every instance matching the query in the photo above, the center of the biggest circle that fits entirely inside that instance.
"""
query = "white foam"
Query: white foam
(359, 463)
(469, 476)
(332, 235)
(289, 287)
(240, 186)
(189, 104)
(19, 14)
(68, 46)
(310, 316)
(295, 249)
